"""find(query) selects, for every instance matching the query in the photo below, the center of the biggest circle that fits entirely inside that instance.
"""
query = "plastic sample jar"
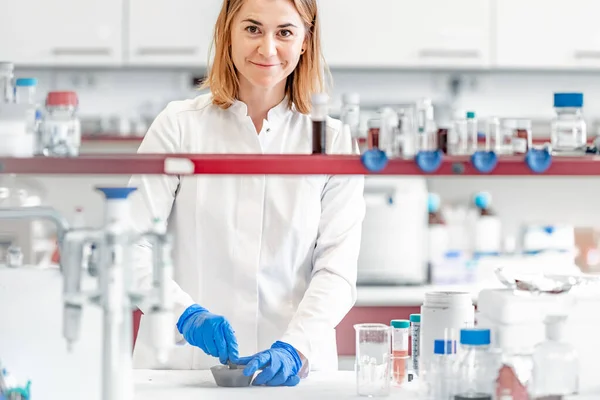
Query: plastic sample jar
(400, 333)
(443, 315)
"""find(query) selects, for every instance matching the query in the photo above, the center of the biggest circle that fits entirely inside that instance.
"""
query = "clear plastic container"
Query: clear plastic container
(7, 89)
(61, 128)
(26, 89)
(472, 132)
(400, 357)
(426, 129)
(415, 337)
(568, 128)
(350, 114)
(440, 378)
(477, 367)
(493, 138)
(555, 363)
(373, 367)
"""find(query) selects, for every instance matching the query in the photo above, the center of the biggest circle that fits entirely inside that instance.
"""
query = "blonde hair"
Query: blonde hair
(306, 79)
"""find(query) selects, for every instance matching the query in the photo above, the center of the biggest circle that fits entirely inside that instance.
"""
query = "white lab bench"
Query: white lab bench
(409, 296)
(183, 385)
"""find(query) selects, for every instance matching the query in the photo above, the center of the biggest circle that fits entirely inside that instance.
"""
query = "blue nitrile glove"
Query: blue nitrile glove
(280, 365)
(212, 333)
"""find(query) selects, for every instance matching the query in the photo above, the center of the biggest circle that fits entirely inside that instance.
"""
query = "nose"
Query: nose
(267, 47)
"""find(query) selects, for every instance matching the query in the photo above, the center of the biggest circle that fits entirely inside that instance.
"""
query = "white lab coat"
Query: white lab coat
(277, 256)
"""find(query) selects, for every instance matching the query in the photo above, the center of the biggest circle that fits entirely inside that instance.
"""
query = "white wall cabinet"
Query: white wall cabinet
(542, 34)
(62, 32)
(171, 32)
(407, 33)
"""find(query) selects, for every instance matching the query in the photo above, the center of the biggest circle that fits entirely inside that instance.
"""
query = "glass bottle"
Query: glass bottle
(555, 364)
(568, 128)
(61, 128)
(319, 116)
(476, 367)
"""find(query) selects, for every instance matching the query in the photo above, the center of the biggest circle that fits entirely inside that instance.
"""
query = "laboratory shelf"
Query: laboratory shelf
(251, 164)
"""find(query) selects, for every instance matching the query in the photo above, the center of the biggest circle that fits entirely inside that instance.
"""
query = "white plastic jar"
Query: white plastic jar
(443, 315)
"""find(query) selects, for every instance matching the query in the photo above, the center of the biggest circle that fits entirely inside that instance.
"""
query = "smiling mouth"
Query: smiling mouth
(264, 65)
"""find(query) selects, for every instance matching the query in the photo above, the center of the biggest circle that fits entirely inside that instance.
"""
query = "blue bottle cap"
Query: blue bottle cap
(400, 323)
(26, 82)
(444, 347)
(482, 200)
(116, 193)
(475, 337)
(433, 202)
(415, 317)
(568, 100)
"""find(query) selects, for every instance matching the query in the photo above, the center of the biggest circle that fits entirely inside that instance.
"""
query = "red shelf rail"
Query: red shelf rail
(250, 164)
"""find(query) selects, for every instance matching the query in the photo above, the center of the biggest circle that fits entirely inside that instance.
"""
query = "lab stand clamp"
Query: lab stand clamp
(113, 243)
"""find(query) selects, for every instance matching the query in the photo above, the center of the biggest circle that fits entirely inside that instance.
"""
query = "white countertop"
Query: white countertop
(410, 296)
(183, 385)
(193, 385)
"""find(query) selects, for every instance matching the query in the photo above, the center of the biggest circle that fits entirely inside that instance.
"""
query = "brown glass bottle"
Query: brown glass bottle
(318, 137)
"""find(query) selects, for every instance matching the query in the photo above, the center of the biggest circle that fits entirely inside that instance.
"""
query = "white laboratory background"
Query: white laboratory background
(506, 58)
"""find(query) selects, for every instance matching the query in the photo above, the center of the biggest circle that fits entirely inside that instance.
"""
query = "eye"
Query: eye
(252, 29)
(286, 33)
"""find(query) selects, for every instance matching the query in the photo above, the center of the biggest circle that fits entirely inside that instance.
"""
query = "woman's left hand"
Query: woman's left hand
(280, 365)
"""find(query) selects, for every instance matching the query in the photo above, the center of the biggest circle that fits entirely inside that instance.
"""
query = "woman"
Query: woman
(265, 266)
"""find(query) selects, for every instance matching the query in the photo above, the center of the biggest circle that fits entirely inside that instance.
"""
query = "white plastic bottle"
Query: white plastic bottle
(443, 315)
(487, 232)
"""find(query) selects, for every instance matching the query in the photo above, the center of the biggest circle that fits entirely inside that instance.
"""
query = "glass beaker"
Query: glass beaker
(373, 366)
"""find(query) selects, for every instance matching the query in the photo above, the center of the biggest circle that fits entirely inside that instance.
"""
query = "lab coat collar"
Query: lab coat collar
(240, 109)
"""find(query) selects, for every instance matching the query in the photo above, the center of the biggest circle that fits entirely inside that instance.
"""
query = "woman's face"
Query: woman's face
(267, 38)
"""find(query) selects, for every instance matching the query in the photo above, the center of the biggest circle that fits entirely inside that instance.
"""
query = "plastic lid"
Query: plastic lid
(448, 299)
(482, 200)
(433, 202)
(475, 337)
(470, 114)
(444, 347)
(26, 82)
(400, 323)
(62, 99)
(6, 66)
(415, 317)
(568, 100)
(320, 99)
(351, 98)
(116, 193)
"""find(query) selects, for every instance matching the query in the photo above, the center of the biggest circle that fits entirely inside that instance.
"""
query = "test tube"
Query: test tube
(400, 328)
(493, 139)
(472, 132)
(415, 334)
(318, 116)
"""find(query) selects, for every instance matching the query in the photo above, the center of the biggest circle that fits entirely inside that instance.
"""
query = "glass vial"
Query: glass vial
(374, 125)
(472, 132)
(350, 114)
(319, 116)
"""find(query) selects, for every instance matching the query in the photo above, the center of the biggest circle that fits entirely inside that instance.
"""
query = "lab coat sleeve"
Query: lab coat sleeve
(332, 290)
(154, 198)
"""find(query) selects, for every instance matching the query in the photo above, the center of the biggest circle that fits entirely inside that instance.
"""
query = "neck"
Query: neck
(260, 100)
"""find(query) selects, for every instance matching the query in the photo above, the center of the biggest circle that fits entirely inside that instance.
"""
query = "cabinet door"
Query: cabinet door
(406, 33)
(62, 32)
(171, 32)
(547, 34)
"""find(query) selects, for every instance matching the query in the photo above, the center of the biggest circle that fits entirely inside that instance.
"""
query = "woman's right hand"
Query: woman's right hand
(210, 332)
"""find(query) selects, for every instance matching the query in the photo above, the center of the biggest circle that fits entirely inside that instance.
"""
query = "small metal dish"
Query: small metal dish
(230, 376)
